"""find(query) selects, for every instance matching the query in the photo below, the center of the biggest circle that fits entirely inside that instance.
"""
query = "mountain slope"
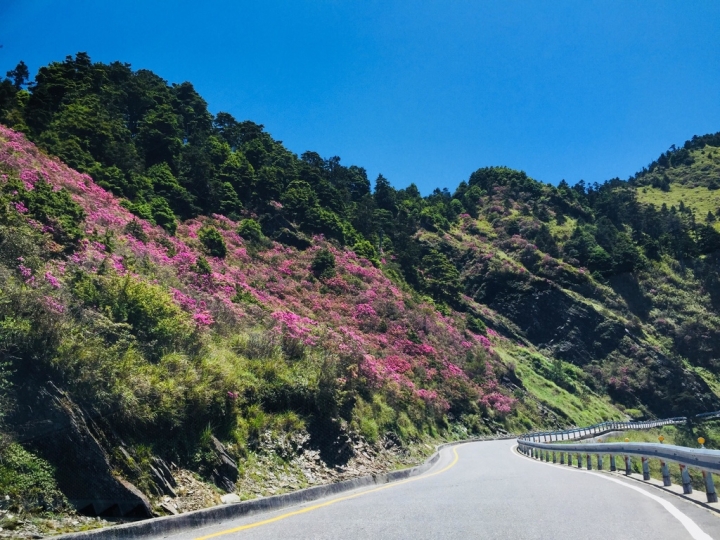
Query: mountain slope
(198, 295)
(139, 346)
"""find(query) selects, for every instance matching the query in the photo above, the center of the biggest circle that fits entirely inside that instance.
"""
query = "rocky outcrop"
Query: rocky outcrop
(48, 422)
(225, 472)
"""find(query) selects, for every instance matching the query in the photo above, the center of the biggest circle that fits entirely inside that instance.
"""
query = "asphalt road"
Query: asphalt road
(485, 490)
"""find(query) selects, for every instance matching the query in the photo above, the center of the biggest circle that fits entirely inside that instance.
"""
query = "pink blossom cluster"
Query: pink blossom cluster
(52, 280)
(295, 326)
(415, 350)
(203, 318)
(364, 310)
(20, 208)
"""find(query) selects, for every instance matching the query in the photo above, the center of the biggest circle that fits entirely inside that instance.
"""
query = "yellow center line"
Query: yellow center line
(328, 503)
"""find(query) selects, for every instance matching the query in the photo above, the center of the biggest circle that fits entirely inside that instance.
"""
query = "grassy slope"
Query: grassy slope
(695, 184)
(699, 198)
(660, 294)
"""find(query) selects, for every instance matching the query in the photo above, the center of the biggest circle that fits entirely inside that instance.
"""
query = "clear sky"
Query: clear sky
(422, 92)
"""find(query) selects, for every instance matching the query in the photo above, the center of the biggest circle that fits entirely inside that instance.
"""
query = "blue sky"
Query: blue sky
(422, 92)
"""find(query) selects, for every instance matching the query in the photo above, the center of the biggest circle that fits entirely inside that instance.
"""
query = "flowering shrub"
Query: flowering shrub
(165, 290)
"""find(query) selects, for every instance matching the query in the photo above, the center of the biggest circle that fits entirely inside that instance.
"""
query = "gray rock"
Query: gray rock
(169, 508)
(225, 474)
(161, 482)
(48, 422)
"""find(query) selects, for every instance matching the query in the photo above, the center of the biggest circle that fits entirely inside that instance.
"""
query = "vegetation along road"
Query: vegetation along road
(486, 490)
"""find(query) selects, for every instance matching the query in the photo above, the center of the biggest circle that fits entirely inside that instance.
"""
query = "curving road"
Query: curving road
(485, 490)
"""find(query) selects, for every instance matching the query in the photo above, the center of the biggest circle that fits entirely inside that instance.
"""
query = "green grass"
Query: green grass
(688, 183)
(563, 232)
(582, 407)
(704, 169)
(700, 198)
(710, 378)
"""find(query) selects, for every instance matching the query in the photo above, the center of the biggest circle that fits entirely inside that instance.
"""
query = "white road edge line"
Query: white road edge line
(693, 528)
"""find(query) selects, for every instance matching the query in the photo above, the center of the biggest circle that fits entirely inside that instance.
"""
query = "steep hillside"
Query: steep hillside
(197, 306)
(130, 352)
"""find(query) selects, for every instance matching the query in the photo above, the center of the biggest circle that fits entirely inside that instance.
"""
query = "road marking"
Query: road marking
(330, 502)
(693, 528)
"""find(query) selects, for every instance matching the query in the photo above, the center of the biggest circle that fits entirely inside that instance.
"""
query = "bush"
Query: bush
(135, 229)
(440, 278)
(154, 318)
(323, 264)
(29, 481)
(202, 266)
(250, 230)
(55, 209)
(476, 325)
(212, 241)
(365, 249)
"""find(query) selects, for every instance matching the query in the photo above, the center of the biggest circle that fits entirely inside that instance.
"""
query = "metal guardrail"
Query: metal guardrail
(543, 445)
(598, 429)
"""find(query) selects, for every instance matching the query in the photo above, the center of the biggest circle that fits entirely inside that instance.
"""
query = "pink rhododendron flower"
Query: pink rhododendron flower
(427, 395)
(29, 178)
(52, 280)
(397, 364)
(20, 208)
(25, 272)
(203, 319)
(499, 402)
(364, 310)
(54, 305)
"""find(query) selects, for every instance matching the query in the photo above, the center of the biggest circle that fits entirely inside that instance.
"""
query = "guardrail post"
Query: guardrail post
(665, 474)
(569, 459)
(579, 457)
(628, 466)
(686, 482)
(562, 458)
(588, 462)
(554, 457)
(645, 468)
(613, 468)
(600, 462)
(709, 487)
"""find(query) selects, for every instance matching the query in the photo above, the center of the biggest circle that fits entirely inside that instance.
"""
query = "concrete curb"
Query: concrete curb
(209, 516)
